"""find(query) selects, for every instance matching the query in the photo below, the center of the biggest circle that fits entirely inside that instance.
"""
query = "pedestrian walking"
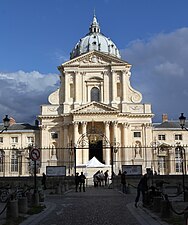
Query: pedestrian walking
(142, 188)
(106, 177)
(123, 182)
(43, 181)
(77, 181)
(82, 181)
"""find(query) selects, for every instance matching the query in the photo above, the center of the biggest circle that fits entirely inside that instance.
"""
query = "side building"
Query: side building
(15, 144)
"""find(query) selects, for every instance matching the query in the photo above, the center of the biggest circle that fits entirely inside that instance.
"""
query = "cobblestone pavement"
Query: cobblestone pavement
(96, 206)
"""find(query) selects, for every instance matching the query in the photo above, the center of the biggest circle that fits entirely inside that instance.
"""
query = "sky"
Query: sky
(36, 36)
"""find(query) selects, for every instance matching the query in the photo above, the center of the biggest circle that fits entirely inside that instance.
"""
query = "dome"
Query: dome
(95, 40)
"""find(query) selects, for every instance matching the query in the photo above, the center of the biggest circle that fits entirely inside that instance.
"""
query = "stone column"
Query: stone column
(107, 150)
(106, 87)
(124, 86)
(114, 91)
(85, 151)
(66, 87)
(65, 150)
(76, 136)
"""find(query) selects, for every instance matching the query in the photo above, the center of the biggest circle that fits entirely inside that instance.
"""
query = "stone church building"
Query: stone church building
(95, 114)
(96, 107)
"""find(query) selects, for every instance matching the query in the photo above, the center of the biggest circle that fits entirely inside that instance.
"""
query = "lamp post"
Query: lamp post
(6, 122)
(113, 149)
(182, 120)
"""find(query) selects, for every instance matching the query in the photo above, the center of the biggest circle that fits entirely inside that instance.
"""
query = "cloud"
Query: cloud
(160, 71)
(22, 93)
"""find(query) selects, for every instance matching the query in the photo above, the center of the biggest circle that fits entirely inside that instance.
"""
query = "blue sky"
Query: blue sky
(36, 36)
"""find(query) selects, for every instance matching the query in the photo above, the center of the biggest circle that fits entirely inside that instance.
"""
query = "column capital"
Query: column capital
(107, 123)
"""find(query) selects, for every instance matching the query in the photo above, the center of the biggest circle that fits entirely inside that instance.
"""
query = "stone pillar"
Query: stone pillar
(124, 86)
(106, 88)
(114, 88)
(76, 136)
(115, 131)
(85, 151)
(107, 150)
(66, 87)
(65, 150)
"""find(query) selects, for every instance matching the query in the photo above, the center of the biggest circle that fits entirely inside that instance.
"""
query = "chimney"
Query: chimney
(164, 118)
(12, 121)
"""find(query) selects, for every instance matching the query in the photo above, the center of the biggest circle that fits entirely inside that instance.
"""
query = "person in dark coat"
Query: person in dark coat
(77, 181)
(123, 182)
(142, 188)
(106, 177)
(82, 182)
(44, 181)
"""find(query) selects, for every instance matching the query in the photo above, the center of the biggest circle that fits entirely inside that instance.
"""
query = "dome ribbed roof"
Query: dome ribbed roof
(95, 40)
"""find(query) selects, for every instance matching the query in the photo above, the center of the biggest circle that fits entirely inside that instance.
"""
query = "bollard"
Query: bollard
(186, 218)
(185, 196)
(29, 196)
(165, 209)
(41, 196)
(36, 199)
(157, 203)
(58, 189)
(12, 209)
(22, 205)
(63, 188)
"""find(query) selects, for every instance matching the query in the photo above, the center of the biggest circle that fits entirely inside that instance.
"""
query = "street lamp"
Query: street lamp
(6, 122)
(182, 120)
(114, 149)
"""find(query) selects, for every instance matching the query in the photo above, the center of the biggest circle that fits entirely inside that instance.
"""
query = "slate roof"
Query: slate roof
(20, 126)
(169, 125)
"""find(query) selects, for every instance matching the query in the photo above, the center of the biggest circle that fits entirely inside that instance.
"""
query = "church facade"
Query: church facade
(95, 114)
(95, 108)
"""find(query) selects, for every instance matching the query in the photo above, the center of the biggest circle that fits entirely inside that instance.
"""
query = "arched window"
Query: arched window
(95, 94)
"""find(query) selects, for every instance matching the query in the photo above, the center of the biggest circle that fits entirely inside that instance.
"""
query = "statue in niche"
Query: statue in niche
(138, 149)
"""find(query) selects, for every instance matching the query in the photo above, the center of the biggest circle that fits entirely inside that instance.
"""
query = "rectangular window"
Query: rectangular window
(162, 163)
(178, 137)
(30, 140)
(137, 134)
(14, 139)
(161, 137)
(2, 154)
(1, 139)
(14, 161)
(54, 135)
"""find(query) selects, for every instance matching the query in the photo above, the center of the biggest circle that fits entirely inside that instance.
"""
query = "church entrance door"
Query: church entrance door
(96, 149)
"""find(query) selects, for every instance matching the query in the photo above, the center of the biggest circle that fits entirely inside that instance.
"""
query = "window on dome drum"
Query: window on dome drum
(14, 139)
(14, 161)
(1, 139)
(178, 137)
(162, 137)
(178, 161)
(95, 94)
(137, 134)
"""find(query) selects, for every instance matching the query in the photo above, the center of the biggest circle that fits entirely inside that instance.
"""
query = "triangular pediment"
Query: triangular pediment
(94, 58)
(94, 107)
